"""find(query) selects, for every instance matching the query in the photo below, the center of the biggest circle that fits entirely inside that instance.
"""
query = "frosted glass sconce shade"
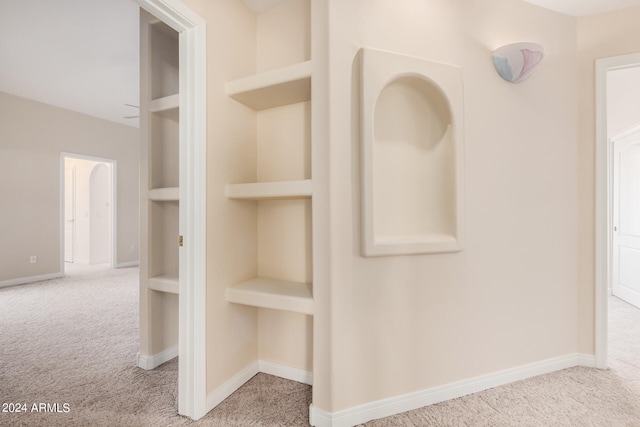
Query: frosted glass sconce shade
(411, 155)
(516, 62)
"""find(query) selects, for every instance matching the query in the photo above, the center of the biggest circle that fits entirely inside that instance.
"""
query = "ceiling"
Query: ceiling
(584, 7)
(82, 55)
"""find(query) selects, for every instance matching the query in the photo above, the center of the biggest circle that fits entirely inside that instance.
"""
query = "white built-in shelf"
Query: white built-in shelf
(275, 190)
(171, 194)
(166, 103)
(283, 86)
(274, 294)
(166, 283)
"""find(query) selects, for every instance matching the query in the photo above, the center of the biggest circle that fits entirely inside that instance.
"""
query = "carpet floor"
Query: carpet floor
(67, 358)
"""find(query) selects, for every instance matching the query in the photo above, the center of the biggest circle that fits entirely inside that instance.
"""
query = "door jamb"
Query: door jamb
(604, 200)
(192, 387)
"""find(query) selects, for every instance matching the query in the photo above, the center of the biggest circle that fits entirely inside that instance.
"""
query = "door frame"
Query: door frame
(192, 363)
(113, 208)
(604, 202)
(614, 141)
(65, 197)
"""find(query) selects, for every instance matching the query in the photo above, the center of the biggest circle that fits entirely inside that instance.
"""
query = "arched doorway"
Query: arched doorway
(89, 210)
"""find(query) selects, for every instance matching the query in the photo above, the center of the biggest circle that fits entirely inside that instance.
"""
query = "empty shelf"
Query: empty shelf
(274, 294)
(166, 283)
(170, 194)
(273, 88)
(282, 190)
(164, 104)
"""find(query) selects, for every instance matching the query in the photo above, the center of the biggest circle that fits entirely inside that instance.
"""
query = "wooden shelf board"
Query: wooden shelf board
(171, 194)
(274, 190)
(275, 88)
(166, 103)
(168, 283)
(273, 294)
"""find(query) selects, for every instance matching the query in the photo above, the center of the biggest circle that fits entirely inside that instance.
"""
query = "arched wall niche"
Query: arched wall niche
(411, 155)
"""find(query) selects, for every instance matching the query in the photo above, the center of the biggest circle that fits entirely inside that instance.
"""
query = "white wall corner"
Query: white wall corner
(153, 361)
(407, 402)
(586, 360)
(319, 418)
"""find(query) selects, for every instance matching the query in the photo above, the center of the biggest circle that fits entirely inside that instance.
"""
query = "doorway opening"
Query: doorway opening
(89, 211)
(617, 190)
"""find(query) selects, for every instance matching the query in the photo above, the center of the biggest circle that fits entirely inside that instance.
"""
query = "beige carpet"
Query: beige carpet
(74, 341)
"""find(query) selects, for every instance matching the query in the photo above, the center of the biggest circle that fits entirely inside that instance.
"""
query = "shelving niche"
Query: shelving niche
(159, 192)
(270, 190)
(286, 92)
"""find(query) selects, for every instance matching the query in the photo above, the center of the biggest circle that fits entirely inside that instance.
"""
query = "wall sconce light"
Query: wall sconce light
(516, 62)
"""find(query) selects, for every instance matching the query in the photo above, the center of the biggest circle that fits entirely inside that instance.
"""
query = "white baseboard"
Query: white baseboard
(127, 264)
(153, 361)
(30, 279)
(585, 360)
(395, 405)
(228, 388)
(286, 372)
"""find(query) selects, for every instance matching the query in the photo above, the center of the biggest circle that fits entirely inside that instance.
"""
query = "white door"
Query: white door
(100, 214)
(626, 219)
(69, 214)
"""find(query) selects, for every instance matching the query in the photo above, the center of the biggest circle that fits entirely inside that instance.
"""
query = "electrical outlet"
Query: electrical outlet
(33, 259)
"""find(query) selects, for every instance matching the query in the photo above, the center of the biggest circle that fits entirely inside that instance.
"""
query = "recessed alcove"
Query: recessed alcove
(411, 155)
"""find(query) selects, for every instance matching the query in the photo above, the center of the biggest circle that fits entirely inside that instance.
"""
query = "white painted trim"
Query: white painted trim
(604, 202)
(407, 402)
(114, 214)
(286, 372)
(271, 368)
(127, 264)
(192, 386)
(230, 386)
(153, 361)
(30, 279)
(628, 132)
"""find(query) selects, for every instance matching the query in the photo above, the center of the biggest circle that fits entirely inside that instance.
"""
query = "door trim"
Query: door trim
(192, 386)
(65, 199)
(113, 252)
(630, 138)
(604, 201)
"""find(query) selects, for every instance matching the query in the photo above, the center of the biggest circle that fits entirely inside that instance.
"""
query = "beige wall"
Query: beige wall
(407, 323)
(232, 342)
(599, 36)
(284, 153)
(33, 136)
(522, 289)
